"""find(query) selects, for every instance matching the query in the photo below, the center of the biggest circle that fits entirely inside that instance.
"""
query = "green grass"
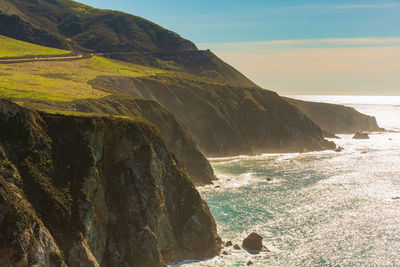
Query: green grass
(69, 80)
(14, 48)
(63, 80)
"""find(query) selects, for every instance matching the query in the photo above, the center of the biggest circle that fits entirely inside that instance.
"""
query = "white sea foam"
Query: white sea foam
(321, 208)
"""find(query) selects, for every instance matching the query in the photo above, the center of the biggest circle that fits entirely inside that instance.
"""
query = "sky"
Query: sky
(290, 46)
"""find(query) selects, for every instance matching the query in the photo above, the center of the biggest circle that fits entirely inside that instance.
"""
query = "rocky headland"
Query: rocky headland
(95, 191)
(336, 119)
(226, 120)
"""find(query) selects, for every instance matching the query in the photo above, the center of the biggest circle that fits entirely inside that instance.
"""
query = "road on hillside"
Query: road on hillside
(44, 58)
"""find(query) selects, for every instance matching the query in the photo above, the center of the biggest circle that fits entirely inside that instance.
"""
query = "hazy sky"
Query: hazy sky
(289, 46)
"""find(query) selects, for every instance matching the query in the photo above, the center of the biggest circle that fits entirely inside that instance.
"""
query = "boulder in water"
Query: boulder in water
(228, 244)
(339, 149)
(236, 246)
(254, 242)
(360, 135)
(249, 263)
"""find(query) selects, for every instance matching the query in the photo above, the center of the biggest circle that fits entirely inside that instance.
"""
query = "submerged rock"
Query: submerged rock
(360, 135)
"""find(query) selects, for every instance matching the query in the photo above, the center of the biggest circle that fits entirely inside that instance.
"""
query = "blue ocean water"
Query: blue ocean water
(319, 208)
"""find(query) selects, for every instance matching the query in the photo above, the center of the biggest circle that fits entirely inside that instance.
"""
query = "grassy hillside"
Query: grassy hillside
(63, 80)
(70, 25)
(66, 23)
(71, 80)
(64, 87)
(14, 48)
(243, 118)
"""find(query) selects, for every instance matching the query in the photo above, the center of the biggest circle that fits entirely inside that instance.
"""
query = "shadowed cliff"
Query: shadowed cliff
(225, 120)
(336, 119)
(177, 138)
(90, 191)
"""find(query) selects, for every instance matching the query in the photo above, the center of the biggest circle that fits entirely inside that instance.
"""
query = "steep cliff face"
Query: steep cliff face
(177, 138)
(336, 119)
(94, 191)
(226, 120)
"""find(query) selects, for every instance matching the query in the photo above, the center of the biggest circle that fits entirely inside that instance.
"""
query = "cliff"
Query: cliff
(225, 120)
(225, 112)
(177, 138)
(94, 191)
(336, 119)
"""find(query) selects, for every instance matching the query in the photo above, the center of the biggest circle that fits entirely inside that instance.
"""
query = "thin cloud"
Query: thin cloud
(351, 6)
(306, 43)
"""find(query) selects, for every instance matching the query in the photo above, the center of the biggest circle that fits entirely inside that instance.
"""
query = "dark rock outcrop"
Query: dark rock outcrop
(90, 191)
(176, 137)
(226, 120)
(254, 242)
(339, 149)
(360, 135)
(336, 119)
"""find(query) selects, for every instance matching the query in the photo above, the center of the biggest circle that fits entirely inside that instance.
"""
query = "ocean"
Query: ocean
(319, 208)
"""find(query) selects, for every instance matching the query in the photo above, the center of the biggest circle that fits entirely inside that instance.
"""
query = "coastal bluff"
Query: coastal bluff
(336, 119)
(95, 191)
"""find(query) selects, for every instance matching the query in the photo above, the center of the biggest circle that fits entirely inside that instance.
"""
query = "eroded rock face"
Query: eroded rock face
(176, 137)
(107, 192)
(226, 120)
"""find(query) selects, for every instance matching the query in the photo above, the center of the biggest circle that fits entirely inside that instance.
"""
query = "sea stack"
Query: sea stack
(360, 135)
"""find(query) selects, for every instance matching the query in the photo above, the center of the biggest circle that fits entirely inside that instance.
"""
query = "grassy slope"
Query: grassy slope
(13, 48)
(63, 80)
(59, 87)
(69, 80)
(84, 27)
